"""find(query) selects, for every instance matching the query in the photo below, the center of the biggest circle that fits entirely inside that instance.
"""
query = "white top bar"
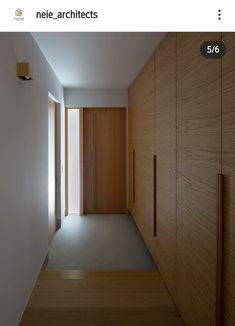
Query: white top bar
(119, 15)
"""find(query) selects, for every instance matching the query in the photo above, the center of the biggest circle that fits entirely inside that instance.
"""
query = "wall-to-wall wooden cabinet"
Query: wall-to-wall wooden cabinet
(181, 109)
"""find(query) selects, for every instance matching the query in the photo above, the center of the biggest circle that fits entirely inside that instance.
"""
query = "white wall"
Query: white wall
(73, 161)
(96, 97)
(23, 171)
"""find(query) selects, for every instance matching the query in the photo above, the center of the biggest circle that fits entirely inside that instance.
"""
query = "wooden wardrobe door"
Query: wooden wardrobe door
(166, 159)
(147, 150)
(131, 149)
(198, 163)
(228, 169)
(104, 138)
(141, 141)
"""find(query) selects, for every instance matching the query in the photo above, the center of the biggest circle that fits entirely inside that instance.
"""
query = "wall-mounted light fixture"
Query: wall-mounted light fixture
(24, 70)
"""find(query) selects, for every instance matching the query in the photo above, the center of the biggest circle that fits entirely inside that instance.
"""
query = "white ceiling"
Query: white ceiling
(97, 60)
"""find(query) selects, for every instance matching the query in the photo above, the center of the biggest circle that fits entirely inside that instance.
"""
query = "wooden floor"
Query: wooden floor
(104, 298)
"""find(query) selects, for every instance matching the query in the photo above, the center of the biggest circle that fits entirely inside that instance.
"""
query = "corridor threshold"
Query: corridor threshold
(102, 297)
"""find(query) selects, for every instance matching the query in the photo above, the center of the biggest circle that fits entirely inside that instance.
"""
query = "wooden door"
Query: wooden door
(52, 167)
(104, 160)
(228, 169)
(198, 163)
(141, 113)
(165, 248)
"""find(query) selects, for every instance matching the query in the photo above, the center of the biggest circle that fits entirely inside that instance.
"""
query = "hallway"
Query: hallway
(100, 272)
(154, 138)
(102, 241)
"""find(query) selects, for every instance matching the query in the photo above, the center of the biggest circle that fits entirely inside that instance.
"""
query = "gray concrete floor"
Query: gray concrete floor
(99, 242)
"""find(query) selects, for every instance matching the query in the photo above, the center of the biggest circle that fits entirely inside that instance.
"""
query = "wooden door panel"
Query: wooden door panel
(104, 160)
(141, 139)
(228, 169)
(198, 162)
(165, 248)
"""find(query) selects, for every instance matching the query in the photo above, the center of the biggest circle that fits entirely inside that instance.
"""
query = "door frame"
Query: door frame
(81, 212)
(58, 177)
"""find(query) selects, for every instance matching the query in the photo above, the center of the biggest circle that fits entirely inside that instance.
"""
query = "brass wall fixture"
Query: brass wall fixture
(24, 70)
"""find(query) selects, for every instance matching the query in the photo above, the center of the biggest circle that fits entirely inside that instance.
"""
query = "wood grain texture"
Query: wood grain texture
(104, 157)
(198, 162)
(100, 274)
(228, 169)
(141, 138)
(165, 92)
(100, 298)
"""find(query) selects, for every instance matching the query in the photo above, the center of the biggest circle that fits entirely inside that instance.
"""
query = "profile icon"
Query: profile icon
(18, 13)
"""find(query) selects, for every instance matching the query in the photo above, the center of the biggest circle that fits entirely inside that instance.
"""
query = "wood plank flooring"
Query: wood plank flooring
(90, 298)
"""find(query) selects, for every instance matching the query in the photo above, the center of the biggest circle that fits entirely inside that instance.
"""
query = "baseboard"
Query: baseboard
(46, 260)
(58, 224)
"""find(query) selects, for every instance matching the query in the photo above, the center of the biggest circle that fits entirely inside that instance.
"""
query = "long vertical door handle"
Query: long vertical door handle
(220, 250)
(133, 176)
(93, 165)
(154, 195)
